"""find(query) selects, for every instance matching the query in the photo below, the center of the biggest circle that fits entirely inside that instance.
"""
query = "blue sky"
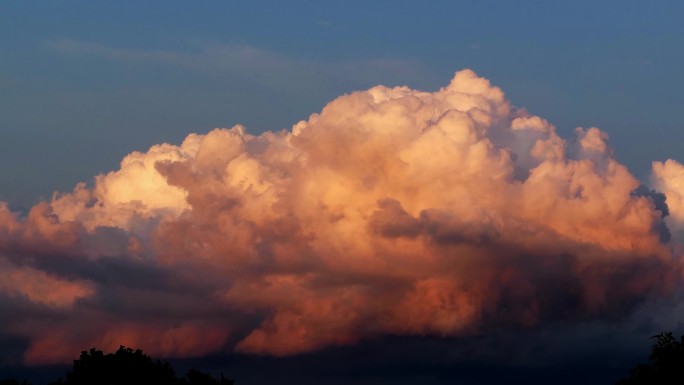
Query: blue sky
(84, 83)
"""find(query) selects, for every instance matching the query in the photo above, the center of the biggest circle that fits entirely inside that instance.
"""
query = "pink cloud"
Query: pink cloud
(392, 211)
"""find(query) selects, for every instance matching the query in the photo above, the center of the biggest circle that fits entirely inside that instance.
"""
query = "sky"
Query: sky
(80, 76)
(378, 191)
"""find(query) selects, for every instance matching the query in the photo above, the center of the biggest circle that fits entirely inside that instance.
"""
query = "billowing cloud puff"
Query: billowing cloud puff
(392, 211)
(668, 177)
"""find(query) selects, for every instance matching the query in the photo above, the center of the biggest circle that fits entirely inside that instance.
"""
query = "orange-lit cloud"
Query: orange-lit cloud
(39, 287)
(392, 211)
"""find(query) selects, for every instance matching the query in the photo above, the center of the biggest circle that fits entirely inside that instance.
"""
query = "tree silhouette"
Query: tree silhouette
(127, 366)
(667, 363)
(196, 377)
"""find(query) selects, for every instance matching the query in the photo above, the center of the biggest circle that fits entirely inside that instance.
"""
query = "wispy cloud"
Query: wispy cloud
(263, 65)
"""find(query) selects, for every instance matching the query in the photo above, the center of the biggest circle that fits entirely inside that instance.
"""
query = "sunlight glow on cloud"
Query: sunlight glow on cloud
(392, 211)
(39, 287)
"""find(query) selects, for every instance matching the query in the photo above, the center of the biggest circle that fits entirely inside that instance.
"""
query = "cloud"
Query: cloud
(38, 287)
(668, 177)
(393, 211)
(261, 66)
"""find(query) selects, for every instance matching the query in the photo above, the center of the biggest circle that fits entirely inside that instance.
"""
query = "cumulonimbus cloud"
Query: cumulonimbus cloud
(392, 211)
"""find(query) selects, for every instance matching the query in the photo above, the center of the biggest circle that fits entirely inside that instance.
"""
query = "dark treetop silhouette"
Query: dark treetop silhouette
(667, 363)
(127, 366)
